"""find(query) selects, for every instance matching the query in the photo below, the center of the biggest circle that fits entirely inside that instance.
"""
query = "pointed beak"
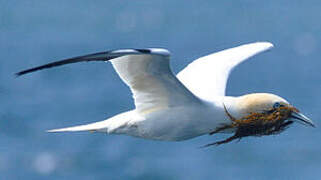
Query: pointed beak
(302, 119)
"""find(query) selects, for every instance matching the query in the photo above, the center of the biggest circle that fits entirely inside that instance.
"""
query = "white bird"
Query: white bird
(191, 104)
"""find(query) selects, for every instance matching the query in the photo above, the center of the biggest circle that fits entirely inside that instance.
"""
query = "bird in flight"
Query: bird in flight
(192, 103)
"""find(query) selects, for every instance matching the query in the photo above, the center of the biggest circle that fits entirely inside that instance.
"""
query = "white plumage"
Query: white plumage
(169, 107)
(207, 76)
(152, 82)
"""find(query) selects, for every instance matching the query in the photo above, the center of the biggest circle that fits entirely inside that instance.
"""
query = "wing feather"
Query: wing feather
(152, 82)
(145, 71)
(207, 76)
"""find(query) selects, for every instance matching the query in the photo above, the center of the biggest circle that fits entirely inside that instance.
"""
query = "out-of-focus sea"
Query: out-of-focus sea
(37, 32)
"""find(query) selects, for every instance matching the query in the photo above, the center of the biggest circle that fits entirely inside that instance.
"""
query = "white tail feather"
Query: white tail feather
(112, 125)
(97, 126)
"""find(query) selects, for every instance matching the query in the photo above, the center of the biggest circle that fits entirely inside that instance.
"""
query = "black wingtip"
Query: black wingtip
(101, 56)
(18, 74)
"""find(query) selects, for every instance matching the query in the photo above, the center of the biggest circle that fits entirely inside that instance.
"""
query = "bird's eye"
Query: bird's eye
(276, 105)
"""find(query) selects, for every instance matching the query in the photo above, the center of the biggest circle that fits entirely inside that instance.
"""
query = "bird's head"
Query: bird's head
(271, 105)
(259, 114)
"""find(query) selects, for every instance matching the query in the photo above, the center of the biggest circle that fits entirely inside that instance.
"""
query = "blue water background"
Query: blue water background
(37, 32)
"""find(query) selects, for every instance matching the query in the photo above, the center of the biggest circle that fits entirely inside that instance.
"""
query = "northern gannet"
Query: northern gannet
(191, 104)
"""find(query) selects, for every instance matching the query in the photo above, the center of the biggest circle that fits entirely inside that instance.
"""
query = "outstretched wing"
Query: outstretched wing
(206, 77)
(145, 71)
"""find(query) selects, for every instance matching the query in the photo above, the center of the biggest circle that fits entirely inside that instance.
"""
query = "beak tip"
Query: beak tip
(299, 117)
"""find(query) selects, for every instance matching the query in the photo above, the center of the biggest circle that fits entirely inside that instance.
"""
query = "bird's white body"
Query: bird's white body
(170, 124)
(169, 107)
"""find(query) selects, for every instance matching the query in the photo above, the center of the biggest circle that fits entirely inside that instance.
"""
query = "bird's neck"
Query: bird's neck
(232, 106)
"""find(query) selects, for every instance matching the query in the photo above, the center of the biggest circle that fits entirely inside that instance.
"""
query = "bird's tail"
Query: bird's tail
(93, 127)
(112, 125)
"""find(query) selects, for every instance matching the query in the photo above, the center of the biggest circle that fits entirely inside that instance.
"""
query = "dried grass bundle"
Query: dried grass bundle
(257, 124)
